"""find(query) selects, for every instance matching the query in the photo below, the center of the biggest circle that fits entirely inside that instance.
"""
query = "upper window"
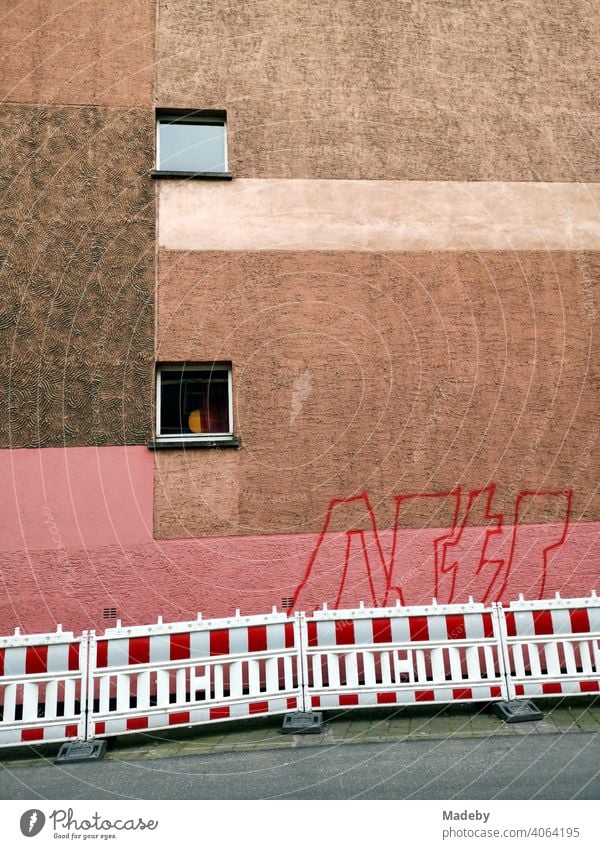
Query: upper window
(191, 142)
(194, 402)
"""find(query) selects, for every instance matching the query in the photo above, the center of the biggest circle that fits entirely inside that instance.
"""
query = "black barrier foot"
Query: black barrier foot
(516, 711)
(74, 752)
(302, 723)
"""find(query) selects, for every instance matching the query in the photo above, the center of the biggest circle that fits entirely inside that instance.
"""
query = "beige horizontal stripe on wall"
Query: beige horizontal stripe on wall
(377, 215)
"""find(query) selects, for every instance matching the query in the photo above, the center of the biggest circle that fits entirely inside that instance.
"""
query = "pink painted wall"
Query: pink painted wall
(75, 497)
(76, 538)
(176, 579)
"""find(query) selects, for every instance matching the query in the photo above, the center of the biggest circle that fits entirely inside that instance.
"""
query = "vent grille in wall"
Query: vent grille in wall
(287, 603)
(110, 613)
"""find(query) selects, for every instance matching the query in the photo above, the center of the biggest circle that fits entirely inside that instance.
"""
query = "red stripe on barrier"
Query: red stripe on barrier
(455, 627)
(349, 699)
(139, 650)
(382, 631)
(589, 686)
(36, 660)
(257, 638)
(219, 713)
(179, 718)
(519, 690)
(580, 621)
(312, 634)
(511, 625)
(495, 691)
(424, 696)
(102, 653)
(259, 707)
(1, 662)
(488, 624)
(73, 657)
(554, 687)
(289, 635)
(344, 632)
(71, 731)
(462, 694)
(137, 722)
(28, 735)
(179, 648)
(219, 642)
(315, 701)
(292, 703)
(542, 622)
(100, 727)
(386, 698)
(419, 628)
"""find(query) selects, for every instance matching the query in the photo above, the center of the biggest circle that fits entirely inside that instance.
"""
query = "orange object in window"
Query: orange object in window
(195, 421)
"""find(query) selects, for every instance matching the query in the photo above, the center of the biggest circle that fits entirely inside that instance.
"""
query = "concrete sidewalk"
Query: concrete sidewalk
(341, 727)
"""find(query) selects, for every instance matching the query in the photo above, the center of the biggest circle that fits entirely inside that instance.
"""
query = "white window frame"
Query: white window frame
(191, 117)
(189, 369)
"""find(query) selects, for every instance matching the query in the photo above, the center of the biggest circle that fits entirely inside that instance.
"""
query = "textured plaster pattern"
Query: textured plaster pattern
(76, 276)
(382, 215)
(78, 51)
(428, 90)
(420, 372)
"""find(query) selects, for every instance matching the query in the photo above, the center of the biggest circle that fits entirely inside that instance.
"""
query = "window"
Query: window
(191, 142)
(194, 403)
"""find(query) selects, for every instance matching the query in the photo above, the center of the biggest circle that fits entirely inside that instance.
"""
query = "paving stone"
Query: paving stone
(198, 750)
(565, 723)
(523, 728)
(400, 727)
(483, 722)
(129, 755)
(361, 725)
(585, 722)
(358, 734)
(439, 726)
(338, 733)
(242, 737)
(460, 725)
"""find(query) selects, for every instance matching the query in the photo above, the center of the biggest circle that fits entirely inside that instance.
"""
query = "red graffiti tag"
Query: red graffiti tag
(462, 559)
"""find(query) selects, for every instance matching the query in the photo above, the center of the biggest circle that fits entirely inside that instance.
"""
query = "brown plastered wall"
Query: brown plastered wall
(77, 226)
(398, 373)
(77, 51)
(427, 90)
(76, 275)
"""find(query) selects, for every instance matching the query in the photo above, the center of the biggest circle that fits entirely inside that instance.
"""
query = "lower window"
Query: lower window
(194, 402)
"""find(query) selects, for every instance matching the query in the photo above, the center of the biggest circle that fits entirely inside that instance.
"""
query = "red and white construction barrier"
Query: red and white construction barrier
(42, 687)
(382, 656)
(198, 672)
(191, 673)
(552, 647)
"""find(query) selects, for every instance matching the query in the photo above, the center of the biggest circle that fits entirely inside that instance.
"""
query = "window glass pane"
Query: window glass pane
(194, 402)
(192, 147)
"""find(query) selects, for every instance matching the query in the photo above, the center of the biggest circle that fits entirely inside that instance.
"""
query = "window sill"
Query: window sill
(191, 175)
(193, 444)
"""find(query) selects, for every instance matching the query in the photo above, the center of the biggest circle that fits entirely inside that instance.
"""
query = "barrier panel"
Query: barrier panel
(190, 673)
(42, 687)
(552, 647)
(383, 656)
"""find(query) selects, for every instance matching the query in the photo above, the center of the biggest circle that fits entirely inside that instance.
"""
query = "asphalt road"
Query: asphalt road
(561, 766)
